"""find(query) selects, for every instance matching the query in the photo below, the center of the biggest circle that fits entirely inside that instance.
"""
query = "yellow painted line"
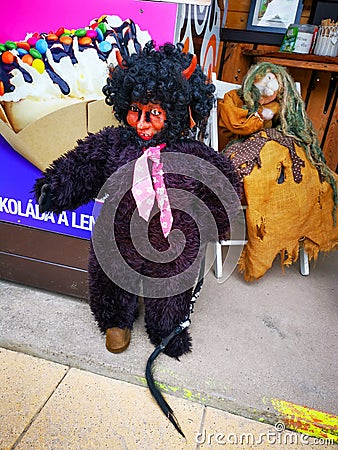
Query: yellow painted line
(307, 420)
(295, 417)
(186, 393)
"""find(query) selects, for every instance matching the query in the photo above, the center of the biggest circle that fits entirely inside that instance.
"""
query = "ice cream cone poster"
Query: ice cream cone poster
(53, 65)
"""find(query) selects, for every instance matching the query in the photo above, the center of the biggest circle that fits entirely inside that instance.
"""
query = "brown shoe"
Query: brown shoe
(117, 340)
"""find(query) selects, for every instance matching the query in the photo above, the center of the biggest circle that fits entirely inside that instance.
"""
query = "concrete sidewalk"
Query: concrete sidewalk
(265, 351)
(45, 405)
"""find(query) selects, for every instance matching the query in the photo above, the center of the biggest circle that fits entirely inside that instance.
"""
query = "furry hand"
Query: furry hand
(45, 199)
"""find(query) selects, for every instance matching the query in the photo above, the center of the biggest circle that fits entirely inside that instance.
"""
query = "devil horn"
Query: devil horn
(119, 59)
(190, 69)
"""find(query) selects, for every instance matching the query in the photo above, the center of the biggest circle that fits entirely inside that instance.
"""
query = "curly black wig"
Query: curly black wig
(156, 76)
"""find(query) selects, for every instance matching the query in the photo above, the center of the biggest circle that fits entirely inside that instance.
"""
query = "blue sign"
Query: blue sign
(17, 203)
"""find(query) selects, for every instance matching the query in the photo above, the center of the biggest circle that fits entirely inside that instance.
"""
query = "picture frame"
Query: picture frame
(273, 16)
(323, 9)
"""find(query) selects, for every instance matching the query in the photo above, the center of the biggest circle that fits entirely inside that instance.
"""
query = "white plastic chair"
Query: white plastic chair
(212, 140)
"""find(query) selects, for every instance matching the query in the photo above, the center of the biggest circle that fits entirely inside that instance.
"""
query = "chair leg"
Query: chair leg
(304, 266)
(218, 260)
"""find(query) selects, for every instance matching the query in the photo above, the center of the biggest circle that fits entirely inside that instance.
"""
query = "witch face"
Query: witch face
(147, 120)
(268, 87)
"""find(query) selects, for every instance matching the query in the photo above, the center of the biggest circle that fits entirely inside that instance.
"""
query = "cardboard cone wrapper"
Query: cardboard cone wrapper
(47, 138)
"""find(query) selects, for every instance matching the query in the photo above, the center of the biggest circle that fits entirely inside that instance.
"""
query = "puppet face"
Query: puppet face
(268, 87)
(147, 120)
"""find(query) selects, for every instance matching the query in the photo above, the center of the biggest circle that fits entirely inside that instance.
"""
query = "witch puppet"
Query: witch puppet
(290, 192)
(162, 195)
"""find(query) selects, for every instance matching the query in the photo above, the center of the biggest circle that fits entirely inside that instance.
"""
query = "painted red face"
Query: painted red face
(147, 120)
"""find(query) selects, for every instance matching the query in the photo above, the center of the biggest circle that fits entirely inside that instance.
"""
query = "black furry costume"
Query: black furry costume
(78, 176)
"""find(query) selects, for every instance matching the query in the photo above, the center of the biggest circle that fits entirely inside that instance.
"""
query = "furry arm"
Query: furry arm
(77, 176)
(224, 209)
(223, 205)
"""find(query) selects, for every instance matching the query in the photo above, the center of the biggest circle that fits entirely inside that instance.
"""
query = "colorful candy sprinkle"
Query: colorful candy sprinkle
(28, 59)
(91, 33)
(2, 48)
(105, 46)
(32, 41)
(38, 65)
(35, 53)
(85, 40)
(51, 37)
(81, 32)
(100, 36)
(22, 51)
(2, 88)
(10, 45)
(102, 27)
(65, 39)
(60, 31)
(23, 44)
(7, 57)
(42, 46)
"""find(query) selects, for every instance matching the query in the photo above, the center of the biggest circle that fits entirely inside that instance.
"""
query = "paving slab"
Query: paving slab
(26, 384)
(85, 411)
(254, 344)
(89, 411)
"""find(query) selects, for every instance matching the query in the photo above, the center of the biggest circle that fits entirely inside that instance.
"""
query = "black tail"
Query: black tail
(150, 380)
(149, 375)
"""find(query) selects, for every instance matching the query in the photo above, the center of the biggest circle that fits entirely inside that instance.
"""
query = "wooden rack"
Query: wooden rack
(299, 61)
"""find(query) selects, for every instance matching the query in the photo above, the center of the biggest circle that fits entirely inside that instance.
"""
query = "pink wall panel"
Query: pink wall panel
(19, 17)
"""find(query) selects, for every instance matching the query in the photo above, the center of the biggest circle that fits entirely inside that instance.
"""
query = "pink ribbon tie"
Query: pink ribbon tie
(146, 188)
